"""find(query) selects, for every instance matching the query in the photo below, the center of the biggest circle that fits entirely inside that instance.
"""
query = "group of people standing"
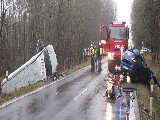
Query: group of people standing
(96, 52)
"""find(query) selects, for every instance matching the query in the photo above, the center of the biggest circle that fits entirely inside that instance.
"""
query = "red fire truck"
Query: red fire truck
(114, 39)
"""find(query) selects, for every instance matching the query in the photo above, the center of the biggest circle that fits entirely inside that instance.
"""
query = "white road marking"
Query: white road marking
(93, 84)
(81, 94)
(38, 89)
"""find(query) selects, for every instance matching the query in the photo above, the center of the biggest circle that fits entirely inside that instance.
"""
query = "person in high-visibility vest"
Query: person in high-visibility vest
(99, 53)
(92, 51)
(92, 54)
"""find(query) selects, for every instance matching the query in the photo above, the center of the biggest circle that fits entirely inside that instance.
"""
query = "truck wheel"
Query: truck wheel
(111, 68)
(112, 64)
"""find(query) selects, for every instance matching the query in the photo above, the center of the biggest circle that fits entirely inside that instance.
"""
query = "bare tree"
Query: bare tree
(69, 25)
(145, 24)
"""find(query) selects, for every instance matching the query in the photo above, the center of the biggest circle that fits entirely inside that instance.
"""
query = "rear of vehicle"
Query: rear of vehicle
(134, 63)
(129, 61)
(118, 43)
(114, 38)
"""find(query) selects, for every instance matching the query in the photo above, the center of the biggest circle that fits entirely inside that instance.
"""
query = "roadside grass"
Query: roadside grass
(6, 97)
(21, 91)
(143, 100)
(143, 93)
(80, 66)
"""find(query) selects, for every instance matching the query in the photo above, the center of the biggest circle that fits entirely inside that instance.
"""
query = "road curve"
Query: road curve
(76, 97)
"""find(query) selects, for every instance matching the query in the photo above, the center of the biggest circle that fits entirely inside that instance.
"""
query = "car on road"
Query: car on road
(135, 65)
(143, 50)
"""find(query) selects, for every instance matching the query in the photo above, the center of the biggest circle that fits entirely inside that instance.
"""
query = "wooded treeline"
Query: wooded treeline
(145, 20)
(68, 25)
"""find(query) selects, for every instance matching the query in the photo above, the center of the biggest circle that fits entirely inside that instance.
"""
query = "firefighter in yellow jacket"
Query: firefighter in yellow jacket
(99, 52)
(92, 54)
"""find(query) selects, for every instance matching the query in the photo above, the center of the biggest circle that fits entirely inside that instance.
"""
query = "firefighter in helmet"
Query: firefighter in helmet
(99, 52)
(92, 55)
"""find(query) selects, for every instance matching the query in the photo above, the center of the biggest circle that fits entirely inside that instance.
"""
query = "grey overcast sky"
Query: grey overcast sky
(124, 11)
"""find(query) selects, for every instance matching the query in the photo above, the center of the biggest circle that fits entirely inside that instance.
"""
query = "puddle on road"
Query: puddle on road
(109, 111)
(115, 110)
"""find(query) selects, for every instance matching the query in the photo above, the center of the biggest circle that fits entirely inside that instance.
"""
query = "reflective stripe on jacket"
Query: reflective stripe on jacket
(101, 51)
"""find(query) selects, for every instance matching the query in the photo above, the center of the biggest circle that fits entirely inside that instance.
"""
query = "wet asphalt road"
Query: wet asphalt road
(77, 97)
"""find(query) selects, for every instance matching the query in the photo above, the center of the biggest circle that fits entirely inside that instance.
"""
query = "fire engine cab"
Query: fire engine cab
(114, 39)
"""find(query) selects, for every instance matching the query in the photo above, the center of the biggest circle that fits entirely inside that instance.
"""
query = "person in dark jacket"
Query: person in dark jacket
(99, 52)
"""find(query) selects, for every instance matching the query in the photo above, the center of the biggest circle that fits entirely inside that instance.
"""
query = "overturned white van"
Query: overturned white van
(39, 67)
